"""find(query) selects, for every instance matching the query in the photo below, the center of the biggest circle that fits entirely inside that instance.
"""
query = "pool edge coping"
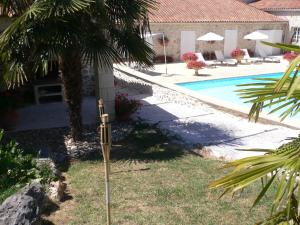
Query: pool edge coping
(214, 102)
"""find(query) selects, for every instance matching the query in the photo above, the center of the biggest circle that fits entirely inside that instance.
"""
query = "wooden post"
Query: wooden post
(105, 129)
(101, 107)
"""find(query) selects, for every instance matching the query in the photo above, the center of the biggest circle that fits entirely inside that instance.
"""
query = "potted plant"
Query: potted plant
(161, 40)
(189, 57)
(196, 65)
(124, 106)
(238, 54)
(290, 56)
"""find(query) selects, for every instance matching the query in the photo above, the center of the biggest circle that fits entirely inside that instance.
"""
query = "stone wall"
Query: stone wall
(173, 32)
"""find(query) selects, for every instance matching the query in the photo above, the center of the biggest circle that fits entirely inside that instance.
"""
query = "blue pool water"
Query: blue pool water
(224, 89)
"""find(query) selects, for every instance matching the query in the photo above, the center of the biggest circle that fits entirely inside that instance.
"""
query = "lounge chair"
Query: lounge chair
(249, 59)
(201, 58)
(266, 58)
(220, 58)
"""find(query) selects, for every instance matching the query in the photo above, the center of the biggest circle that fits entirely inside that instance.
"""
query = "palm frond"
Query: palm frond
(287, 47)
(277, 94)
(281, 166)
(103, 31)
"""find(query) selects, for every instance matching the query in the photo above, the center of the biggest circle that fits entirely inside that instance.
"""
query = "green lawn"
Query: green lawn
(155, 184)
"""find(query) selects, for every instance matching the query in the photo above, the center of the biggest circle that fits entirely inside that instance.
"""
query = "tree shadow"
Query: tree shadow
(188, 126)
(147, 143)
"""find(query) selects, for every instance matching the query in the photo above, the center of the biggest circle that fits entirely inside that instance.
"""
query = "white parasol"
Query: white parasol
(210, 37)
(256, 36)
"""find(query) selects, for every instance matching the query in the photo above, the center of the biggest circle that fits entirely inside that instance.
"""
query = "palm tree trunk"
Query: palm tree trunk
(70, 66)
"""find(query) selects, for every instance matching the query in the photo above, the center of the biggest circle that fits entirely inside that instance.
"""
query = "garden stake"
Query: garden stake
(105, 130)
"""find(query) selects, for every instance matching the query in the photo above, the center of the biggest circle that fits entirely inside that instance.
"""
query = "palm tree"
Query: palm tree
(279, 167)
(71, 32)
(14, 7)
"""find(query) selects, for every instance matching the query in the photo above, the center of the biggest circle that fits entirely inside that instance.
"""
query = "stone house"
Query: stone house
(285, 9)
(183, 22)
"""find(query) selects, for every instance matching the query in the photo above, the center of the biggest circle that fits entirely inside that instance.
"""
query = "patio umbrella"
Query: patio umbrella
(210, 37)
(164, 45)
(256, 36)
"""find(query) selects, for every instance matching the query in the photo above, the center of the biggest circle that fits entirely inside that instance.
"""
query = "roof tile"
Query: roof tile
(191, 11)
(277, 4)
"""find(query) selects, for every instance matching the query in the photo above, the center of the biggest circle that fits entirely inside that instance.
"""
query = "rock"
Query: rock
(50, 164)
(24, 207)
(57, 190)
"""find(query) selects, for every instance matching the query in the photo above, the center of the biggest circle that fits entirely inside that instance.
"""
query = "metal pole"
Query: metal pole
(165, 52)
(105, 145)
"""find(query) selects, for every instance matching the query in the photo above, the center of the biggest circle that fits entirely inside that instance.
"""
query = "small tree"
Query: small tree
(196, 65)
(290, 56)
(188, 57)
(238, 54)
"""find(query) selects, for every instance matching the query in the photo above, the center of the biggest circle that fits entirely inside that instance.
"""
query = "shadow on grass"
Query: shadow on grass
(146, 143)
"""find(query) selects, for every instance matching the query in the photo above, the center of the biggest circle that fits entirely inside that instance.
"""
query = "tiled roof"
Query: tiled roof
(191, 11)
(277, 4)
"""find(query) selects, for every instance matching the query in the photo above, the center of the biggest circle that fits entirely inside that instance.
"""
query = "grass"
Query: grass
(158, 184)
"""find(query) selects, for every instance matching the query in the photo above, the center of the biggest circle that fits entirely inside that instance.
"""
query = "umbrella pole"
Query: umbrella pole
(165, 53)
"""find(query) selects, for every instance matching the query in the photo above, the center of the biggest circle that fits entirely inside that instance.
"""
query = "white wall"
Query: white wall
(292, 16)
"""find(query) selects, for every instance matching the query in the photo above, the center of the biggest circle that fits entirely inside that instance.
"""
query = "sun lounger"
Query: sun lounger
(266, 58)
(201, 58)
(249, 59)
(220, 58)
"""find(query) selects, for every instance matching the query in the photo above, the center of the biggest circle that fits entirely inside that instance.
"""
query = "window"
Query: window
(296, 34)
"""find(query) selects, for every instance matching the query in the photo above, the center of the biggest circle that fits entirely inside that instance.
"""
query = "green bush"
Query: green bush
(16, 167)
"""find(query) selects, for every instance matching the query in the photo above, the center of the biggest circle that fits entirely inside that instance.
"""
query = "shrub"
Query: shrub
(16, 167)
(125, 107)
(189, 56)
(8, 115)
(237, 53)
(161, 59)
(290, 56)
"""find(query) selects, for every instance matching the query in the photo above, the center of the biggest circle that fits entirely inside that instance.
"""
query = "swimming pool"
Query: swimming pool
(224, 89)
